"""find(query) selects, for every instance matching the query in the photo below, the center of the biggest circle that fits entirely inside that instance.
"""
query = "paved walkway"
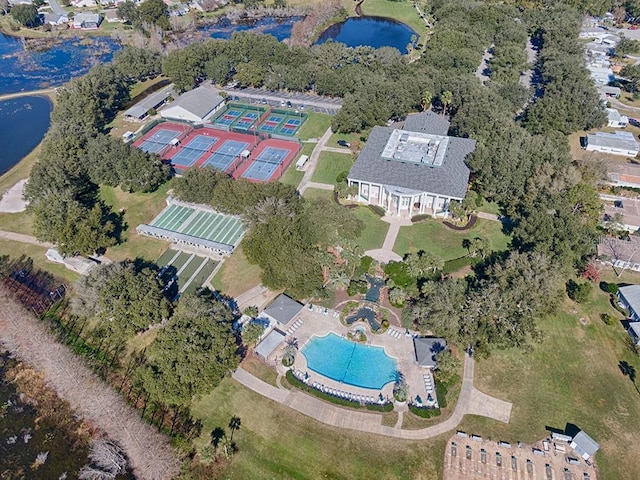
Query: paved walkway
(386, 253)
(313, 162)
(31, 93)
(470, 401)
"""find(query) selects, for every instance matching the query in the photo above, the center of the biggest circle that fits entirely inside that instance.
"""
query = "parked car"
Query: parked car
(344, 143)
(236, 98)
(264, 101)
(301, 107)
(289, 105)
(282, 103)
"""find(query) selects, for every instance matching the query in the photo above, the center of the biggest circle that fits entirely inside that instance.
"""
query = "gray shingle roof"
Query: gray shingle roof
(152, 101)
(635, 328)
(631, 294)
(427, 122)
(199, 101)
(449, 180)
(426, 349)
(583, 443)
(621, 140)
(283, 309)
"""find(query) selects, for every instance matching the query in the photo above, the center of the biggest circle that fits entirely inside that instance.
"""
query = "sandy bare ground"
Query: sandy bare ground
(149, 452)
(12, 201)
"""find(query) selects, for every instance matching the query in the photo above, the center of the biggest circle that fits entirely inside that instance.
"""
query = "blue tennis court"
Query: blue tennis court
(273, 155)
(260, 170)
(158, 140)
(193, 150)
(224, 156)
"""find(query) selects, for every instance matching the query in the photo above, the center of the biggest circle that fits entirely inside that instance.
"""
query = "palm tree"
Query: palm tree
(446, 98)
(427, 98)
(339, 279)
(234, 424)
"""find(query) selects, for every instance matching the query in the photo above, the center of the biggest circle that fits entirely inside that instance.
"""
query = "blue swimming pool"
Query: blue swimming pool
(349, 362)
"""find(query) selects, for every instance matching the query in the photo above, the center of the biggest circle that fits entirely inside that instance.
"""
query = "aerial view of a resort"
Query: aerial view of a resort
(303, 239)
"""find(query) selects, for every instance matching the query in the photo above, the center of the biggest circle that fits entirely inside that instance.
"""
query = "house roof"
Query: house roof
(427, 122)
(87, 17)
(631, 294)
(199, 101)
(635, 328)
(621, 140)
(283, 309)
(152, 101)
(426, 349)
(270, 343)
(406, 177)
(610, 90)
(583, 443)
(615, 116)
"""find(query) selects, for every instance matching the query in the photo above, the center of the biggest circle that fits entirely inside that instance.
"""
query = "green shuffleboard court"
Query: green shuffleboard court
(187, 270)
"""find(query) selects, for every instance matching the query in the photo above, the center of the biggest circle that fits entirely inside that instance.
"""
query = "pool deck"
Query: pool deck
(401, 349)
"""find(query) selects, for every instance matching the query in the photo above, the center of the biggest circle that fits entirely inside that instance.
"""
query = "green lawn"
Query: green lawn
(138, 208)
(15, 249)
(375, 230)
(433, 236)
(330, 165)
(276, 442)
(315, 126)
(318, 193)
(571, 377)
(352, 138)
(401, 11)
(236, 275)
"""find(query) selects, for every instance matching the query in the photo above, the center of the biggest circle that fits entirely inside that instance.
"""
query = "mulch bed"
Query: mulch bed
(472, 221)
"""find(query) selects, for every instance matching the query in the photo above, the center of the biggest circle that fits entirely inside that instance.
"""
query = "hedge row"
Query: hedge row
(472, 221)
(378, 210)
(343, 402)
(424, 412)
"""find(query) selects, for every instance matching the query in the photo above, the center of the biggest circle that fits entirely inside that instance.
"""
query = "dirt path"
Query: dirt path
(149, 452)
(9, 96)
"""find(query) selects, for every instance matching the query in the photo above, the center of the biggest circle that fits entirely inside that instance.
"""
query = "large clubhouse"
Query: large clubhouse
(414, 170)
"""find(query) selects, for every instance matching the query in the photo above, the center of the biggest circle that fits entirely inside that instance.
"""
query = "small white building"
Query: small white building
(584, 445)
(615, 119)
(616, 143)
(197, 105)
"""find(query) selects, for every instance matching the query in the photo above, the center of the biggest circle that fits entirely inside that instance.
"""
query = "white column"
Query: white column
(389, 202)
(410, 205)
(423, 198)
(435, 205)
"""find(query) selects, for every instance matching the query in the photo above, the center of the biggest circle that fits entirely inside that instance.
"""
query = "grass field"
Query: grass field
(433, 236)
(352, 138)
(277, 442)
(138, 208)
(571, 377)
(15, 249)
(315, 126)
(375, 230)
(318, 193)
(330, 165)
(402, 11)
(236, 275)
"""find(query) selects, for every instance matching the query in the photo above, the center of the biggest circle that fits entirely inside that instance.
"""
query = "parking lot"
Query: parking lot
(472, 457)
(294, 100)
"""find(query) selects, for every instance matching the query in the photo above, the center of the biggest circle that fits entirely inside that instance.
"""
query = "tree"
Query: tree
(397, 296)
(445, 98)
(26, 14)
(251, 333)
(439, 309)
(137, 64)
(4, 6)
(197, 185)
(628, 370)
(234, 424)
(477, 246)
(154, 12)
(192, 353)
(448, 365)
(128, 12)
(579, 292)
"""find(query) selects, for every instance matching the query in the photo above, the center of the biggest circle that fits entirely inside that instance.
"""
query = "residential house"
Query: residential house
(629, 297)
(616, 143)
(615, 119)
(417, 169)
(624, 174)
(55, 19)
(634, 332)
(87, 20)
(197, 105)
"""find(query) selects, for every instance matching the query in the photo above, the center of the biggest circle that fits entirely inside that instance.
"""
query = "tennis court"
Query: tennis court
(184, 272)
(282, 122)
(223, 157)
(158, 140)
(265, 165)
(189, 153)
(239, 116)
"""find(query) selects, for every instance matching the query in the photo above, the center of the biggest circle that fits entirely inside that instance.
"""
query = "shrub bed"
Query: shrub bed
(470, 224)
(343, 402)
(420, 218)
(441, 392)
(378, 210)
(424, 412)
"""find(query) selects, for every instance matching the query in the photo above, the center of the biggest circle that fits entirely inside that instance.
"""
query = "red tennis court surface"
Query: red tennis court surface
(256, 169)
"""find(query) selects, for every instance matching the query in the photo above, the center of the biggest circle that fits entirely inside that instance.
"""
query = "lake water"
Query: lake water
(23, 123)
(278, 27)
(373, 32)
(24, 69)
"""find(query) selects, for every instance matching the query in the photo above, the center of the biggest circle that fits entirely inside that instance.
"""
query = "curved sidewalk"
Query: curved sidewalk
(470, 401)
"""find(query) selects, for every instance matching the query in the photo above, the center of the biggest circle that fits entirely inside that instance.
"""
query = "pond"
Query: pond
(374, 32)
(280, 28)
(26, 69)
(26, 119)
